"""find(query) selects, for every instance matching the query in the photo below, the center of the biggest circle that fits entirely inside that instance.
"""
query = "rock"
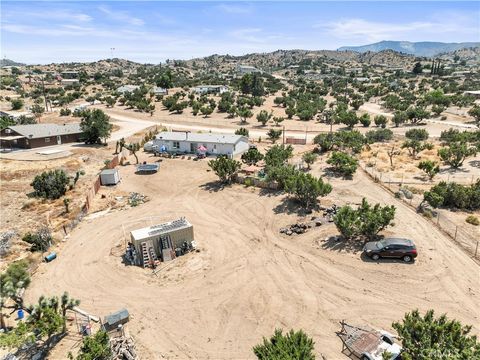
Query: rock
(289, 232)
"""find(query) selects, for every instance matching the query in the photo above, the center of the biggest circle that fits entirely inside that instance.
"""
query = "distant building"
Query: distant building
(127, 88)
(246, 69)
(14, 115)
(475, 93)
(69, 74)
(211, 89)
(39, 135)
(159, 91)
(69, 82)
(214, 144)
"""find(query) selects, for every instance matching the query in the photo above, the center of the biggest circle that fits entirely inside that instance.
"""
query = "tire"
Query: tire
(407, 258)
(375, 257)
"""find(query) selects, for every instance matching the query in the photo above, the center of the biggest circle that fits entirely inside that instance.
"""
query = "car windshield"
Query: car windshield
(381, 244)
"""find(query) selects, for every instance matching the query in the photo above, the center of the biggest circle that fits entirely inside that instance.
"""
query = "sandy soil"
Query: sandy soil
(247, 279)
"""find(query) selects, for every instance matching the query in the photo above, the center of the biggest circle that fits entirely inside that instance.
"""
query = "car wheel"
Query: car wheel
(375, 257)
(407, 258)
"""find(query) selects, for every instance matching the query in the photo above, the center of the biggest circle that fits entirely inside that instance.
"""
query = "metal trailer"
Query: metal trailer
(367, 343)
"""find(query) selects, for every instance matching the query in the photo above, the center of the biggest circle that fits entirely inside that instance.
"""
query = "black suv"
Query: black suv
(391, 248)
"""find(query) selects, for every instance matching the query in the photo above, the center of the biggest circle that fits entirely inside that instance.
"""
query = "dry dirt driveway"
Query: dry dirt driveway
(247, 279)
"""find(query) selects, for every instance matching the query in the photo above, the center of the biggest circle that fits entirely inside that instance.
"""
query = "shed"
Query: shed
(117, 318)
(109, 177)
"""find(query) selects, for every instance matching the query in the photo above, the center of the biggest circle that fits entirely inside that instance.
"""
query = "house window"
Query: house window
(176, 145)
(47, 140)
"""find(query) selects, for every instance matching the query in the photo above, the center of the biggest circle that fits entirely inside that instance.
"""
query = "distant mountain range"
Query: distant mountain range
(424, 48)
(8, 62)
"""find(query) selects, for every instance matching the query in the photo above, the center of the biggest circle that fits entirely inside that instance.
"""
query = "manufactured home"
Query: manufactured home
(211, 89)
(39, 135)
(210, 143)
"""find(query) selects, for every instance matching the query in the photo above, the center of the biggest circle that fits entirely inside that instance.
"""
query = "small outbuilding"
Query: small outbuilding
(161, 242)
(109, 177)
(112, 321)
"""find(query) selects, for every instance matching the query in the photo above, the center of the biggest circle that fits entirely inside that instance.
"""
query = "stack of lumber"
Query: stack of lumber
(123, 348)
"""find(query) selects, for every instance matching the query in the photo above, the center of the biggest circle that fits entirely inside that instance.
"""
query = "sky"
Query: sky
(150, 32)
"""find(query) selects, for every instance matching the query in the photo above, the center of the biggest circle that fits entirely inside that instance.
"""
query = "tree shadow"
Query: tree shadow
(474, 163)
(269, 192)
(290, 206)
(338, 243)
(330, 172)
(451, 170)
(39, 350)
(213, 186)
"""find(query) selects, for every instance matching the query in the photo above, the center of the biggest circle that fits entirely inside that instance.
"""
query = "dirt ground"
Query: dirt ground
(247, 279)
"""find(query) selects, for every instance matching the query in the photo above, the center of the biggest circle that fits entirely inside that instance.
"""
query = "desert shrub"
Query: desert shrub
(306, 188)
(343, 163)
(40, 240)
(379, 135)
(364, 221)
(380, 120)
(293, 345)
(427, 337)
(50, 184)
(454, 196)
(472, 219)
(252, 156)
(225, 168)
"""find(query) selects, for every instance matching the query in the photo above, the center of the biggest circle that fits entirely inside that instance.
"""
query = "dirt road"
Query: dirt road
(247, 279)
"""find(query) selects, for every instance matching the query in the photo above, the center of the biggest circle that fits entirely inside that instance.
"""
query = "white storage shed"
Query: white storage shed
(109, 177)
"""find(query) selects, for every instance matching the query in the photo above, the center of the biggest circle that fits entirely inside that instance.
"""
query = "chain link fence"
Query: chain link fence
(468, 239)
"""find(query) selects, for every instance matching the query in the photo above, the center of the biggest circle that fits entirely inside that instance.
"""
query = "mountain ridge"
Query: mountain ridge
(421, 48)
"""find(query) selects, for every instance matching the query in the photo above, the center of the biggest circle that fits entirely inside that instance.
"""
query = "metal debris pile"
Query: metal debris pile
(5, 238)
(123, 348)
(135, 199)
(329, 212)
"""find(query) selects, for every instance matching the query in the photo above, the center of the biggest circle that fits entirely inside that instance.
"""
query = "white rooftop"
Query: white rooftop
(200, 137)
(160, 229)
(35, 131)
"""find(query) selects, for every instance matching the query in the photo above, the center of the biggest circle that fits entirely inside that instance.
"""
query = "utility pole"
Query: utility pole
(111, 52)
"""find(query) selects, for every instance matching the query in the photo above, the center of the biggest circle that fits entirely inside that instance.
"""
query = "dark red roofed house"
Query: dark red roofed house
(39, 135)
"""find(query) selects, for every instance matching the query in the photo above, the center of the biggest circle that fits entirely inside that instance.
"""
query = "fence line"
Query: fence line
(467, 241)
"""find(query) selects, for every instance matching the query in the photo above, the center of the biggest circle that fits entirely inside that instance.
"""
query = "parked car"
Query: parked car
(391, 248)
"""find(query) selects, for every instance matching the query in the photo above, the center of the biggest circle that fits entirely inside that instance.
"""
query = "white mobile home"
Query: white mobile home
(215, 144)
(211, 89)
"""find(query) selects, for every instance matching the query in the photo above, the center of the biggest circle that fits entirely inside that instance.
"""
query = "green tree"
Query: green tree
(242, 131)
(264, 116)
(278, 155)
(278, 119)
(454, 196)
(417, 69)
(306, 188)
(343, 163)
(95, 125)
(326, 142)
(225, 168)
(96, 347)
(41, 240)
(417, 114)
(399, 117)
(366, 220)
(50, 184)
(438, 109)
(430, 168)
(416, 141)
(378, 135)
(15, 278)
(475, 113)
(5, 122)
(380, 121)
(16, 104)
(295, 345)
(309, 158)
(37, 110)
(244, 114)
(365, 120)
(206, 110)
(274, 134)
(110, 101)
(427, 337)
(252, 156)
(455, 153)
(134, 148)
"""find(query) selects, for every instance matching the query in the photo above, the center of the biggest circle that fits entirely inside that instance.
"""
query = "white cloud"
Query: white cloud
(121, 16)
(234, 9)
(433, 28)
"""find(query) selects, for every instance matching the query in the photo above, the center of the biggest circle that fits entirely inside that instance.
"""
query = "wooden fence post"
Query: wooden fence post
(476, 250)
(456, 228)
